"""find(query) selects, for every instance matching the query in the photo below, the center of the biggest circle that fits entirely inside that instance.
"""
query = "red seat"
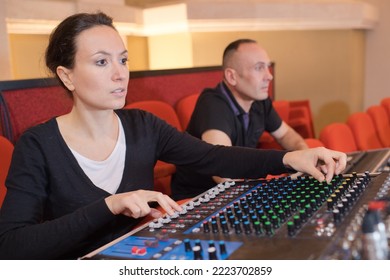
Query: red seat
(159, 108)
(314, 143)
(185, 107)
(162, 170)
(300, 118)
(6, 150)
(363, 131)
(27, 106)
(339, 137)
(266, 141)
(283, 109)
(381, 122)
(385, 102)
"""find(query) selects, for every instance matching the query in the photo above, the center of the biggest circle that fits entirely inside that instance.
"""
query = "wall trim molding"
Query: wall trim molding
(27, 17)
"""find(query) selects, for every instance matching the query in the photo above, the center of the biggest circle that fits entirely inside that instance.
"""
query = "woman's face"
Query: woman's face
(100, 75)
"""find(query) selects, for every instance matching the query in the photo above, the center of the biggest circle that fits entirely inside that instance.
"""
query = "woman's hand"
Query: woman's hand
(135, 204)
(317, 162)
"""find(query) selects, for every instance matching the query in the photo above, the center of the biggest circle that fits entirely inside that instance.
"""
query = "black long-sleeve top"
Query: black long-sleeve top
(52, 210)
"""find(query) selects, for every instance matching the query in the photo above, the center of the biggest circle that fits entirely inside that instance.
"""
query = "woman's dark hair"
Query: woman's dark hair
(61, 50)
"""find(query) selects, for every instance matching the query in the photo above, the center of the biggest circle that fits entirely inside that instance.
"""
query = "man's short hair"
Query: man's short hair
(231, 48)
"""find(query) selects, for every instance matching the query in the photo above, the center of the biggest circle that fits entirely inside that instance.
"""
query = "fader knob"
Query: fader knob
(212, 253)
(190, 205)
(197, 253)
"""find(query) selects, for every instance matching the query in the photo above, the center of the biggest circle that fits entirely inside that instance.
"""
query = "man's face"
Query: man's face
(251, 64)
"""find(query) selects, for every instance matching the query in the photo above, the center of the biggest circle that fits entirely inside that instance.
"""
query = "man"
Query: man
(235, 113)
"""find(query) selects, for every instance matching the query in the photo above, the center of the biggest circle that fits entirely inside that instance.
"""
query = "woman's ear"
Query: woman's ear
(230, 76)
(64, 74)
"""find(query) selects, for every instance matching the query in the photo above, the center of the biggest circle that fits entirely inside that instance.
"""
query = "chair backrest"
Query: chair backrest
(363, 131)
(6, 150)
(314, 142)
(185, 107)
(26, 103)
(339, 137)
(159, 108)
(283, 109)
(385, 102)
(381, 122)
(301, 118)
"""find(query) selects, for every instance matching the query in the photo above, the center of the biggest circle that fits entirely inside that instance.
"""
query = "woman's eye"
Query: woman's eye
(124, 60)
(101, 62)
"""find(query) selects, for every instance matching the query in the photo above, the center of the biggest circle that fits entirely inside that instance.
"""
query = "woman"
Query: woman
(82, 179)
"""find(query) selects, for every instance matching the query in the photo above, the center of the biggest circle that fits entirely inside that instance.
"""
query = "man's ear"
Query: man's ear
(230, 76)
(64, 74)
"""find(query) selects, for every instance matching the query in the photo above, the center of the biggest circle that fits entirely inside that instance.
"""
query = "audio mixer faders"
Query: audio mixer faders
(281, 218)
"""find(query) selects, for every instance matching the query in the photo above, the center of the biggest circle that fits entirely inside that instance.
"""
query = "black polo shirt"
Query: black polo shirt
(217, 109)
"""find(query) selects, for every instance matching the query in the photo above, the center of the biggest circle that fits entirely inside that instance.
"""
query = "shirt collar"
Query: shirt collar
(237, 109)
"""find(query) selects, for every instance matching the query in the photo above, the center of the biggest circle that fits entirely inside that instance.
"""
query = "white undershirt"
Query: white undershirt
(106, 174)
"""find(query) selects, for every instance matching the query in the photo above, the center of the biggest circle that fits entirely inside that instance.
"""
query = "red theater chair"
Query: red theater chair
(162, 170)
(314, 143)
(266, 141)
(159, 108)
(185, 107)
(339, 137)
(381, 122)
(300, 118)
(6, 150)
(363, 131)
(283, 109)
(385, 102)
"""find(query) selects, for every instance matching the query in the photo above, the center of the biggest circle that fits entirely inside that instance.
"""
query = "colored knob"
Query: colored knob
(224, 226)
(290, 228)
(268, 228)
(257, 227)
(206, 227)
(214, 226)
(247, 227)
(275, 221)
(237, 227)
(302, 215)
(297, 222)
(222, 247)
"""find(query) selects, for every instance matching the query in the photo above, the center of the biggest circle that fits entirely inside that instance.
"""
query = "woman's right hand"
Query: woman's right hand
(135, 204)
(319, 162)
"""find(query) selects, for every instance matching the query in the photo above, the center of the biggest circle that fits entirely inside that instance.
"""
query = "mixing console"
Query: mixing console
(284, 218)
(377, 160)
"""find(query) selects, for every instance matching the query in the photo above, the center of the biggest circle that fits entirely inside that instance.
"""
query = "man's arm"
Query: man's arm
(217, 137)
(288, 138)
